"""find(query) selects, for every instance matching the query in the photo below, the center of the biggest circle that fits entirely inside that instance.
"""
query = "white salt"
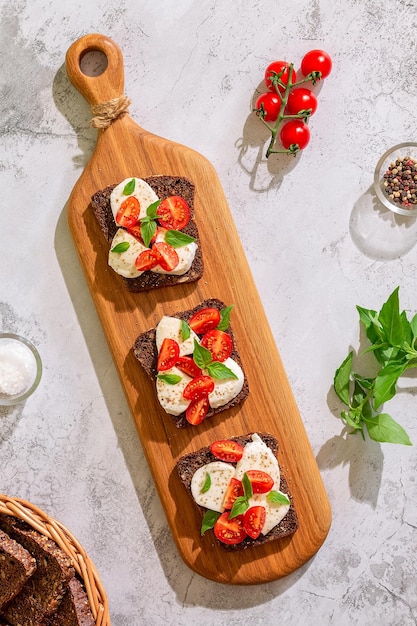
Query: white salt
(17, 368)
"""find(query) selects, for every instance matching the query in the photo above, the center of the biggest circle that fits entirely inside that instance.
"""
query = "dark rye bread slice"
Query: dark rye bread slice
(43, 592)
(146, 353)
(190, 463)
(16, 567)
(163, 186)
(74, 609)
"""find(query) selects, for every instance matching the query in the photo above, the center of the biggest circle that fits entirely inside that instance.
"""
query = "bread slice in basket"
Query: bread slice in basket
(146, 352)
(210, 478)
(16, 567)
(164, 187)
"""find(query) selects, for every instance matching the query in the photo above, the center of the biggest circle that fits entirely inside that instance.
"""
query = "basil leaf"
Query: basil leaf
(152, 210)
(341, 382)
(240, 506)
(177, 239)
(202, 356)
(384, 429)
(247, 486)
(220, 371)
(209, 519)
(121, 247)
(129, 188)
(225, 317)
(207, 483)
(369, 319)
(413, 326)
(147, 230)
(390, 319)
(386, 381)
(185, 330)
(170, 379)
(277, 497)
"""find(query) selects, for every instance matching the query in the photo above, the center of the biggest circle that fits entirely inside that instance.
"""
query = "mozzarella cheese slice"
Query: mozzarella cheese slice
(170, 396)
(220, 474)
(142, 192)
(170, 327)
(124, 262)
(225, 390)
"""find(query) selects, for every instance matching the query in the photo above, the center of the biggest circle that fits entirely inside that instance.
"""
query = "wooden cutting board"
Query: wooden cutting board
(124, 149)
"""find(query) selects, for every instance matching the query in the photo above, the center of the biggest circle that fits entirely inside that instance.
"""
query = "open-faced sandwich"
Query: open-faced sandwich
(150, 228)
(238, 485)
(193, 360)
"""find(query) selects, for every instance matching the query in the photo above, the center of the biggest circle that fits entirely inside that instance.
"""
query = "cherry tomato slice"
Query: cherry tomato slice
(186, 364)
(227, 450)
(146, 260)
(219, 343)
(128, 213)
(168, 258)
(234, 490)
(276, 67)
(197, 411)
(254, 520)
(174, 213)
(199, 387)
(168, 354)
(136, 232)
(261, 481)
(229, 530)
(204, 320)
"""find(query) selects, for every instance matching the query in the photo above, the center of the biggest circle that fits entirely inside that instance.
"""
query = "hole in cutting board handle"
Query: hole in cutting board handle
(93, 63)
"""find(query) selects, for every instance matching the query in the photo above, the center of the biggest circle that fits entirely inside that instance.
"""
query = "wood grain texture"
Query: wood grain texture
(125, 149)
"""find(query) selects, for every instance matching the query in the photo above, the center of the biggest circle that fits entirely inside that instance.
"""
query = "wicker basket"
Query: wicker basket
(53, 529)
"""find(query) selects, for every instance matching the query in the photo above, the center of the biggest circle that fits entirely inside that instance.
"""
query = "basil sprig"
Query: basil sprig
(393, 341)
(203, 359)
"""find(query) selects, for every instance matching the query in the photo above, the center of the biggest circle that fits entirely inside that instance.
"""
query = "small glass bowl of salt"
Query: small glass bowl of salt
(20, 369)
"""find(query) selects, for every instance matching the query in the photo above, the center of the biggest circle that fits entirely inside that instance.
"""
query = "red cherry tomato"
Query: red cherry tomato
(168, 258)
(219, 343)
(146, 260)
(261, 481)
(229, 530)
(295, 132)
(254, 520)
(128, 213)
(187, 365)
(198, 388)
(279, 67)
(174, 213)
(204, 320)
(316, 61)
(300, 99)
(268, 106)
(227, 450)
(168, 354)
(234, 490)
(197, 411)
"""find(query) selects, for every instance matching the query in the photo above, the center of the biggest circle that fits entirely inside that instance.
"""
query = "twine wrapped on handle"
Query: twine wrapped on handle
(105, 112)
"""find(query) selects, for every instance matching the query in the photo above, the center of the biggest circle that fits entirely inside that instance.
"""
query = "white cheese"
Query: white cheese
(225, 390)
(142, 192)
(170, 396)
(124, 262)
(257, 455)
(170, 327)
(220, 474)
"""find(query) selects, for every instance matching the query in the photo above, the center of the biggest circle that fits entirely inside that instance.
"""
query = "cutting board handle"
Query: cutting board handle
(106, 86)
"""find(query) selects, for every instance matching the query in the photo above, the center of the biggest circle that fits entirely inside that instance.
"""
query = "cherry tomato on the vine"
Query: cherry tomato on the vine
(316, 61)
(267, 106)
(276, 67)
(301, 99)
(295, 133)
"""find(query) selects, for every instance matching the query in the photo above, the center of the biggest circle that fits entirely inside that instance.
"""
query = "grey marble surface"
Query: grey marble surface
(317, 243)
